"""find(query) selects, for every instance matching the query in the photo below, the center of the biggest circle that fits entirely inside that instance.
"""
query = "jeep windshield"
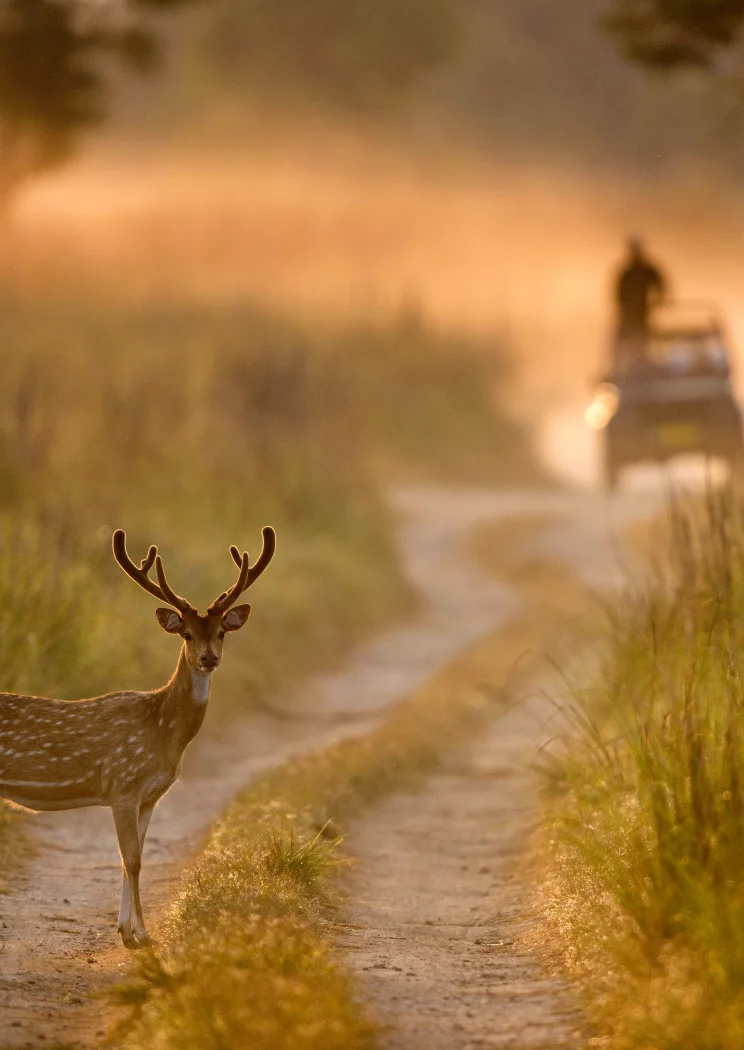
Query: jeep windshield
(686, 353)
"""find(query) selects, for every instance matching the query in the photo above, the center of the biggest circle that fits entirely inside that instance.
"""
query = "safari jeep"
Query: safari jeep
(669, 393)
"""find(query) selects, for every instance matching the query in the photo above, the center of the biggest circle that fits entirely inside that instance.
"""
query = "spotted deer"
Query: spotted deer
(124, 750)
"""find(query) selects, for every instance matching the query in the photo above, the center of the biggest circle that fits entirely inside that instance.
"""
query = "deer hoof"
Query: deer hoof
(128, 938)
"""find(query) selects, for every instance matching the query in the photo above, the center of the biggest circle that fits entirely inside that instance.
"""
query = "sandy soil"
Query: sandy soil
(58, 947)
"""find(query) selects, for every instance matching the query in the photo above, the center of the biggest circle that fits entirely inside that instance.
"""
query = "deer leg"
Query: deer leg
(126, 820)
(143, 822)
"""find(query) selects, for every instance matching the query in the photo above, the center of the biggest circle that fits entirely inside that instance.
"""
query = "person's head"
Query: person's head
(636, 249)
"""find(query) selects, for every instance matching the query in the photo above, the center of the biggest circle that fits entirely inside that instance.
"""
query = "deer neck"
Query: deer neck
(200, 683)
(186, 697)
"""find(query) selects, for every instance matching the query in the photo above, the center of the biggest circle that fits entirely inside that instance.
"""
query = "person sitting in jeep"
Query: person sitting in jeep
(639, 288)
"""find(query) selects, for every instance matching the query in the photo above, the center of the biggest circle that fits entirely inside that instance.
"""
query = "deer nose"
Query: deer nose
(209, 660)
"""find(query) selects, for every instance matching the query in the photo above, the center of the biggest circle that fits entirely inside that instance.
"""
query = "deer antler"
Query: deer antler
(248, 573)
(141, 574)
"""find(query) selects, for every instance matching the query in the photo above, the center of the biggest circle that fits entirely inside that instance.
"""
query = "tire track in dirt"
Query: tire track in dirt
(443, 903)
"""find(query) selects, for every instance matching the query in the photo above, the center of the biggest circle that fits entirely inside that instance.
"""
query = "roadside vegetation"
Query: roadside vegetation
(192, 427)
(646, 814)
(246, 944)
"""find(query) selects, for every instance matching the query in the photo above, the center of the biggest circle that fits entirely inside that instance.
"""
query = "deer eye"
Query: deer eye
(221, 634)
(187, 636)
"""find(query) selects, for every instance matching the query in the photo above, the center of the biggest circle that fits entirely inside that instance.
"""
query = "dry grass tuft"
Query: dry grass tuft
(305, 860)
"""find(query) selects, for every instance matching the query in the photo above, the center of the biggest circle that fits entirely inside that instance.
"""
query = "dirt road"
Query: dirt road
(59, 948)
(441, 922)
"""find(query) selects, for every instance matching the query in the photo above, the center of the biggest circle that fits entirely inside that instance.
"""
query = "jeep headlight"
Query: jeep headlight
(604, 406)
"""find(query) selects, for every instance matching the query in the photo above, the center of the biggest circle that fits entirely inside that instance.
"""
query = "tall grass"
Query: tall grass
(192, 426)
(648, 835)
(192, 430)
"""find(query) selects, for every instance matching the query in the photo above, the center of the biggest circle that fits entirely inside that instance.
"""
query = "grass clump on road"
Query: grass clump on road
(647, 826)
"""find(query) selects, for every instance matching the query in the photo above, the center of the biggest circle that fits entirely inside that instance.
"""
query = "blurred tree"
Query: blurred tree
(56, 57)
(673, 34)
(347, 52)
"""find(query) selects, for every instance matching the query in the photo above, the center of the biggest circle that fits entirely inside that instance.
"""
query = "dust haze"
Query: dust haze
(499, 207)
(499, 250)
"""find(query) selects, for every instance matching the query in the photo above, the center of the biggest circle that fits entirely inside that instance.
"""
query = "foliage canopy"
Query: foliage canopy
(673, 34)
(56, 57)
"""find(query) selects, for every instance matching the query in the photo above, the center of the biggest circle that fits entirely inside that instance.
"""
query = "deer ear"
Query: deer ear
(234, 619)
(169, 620)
